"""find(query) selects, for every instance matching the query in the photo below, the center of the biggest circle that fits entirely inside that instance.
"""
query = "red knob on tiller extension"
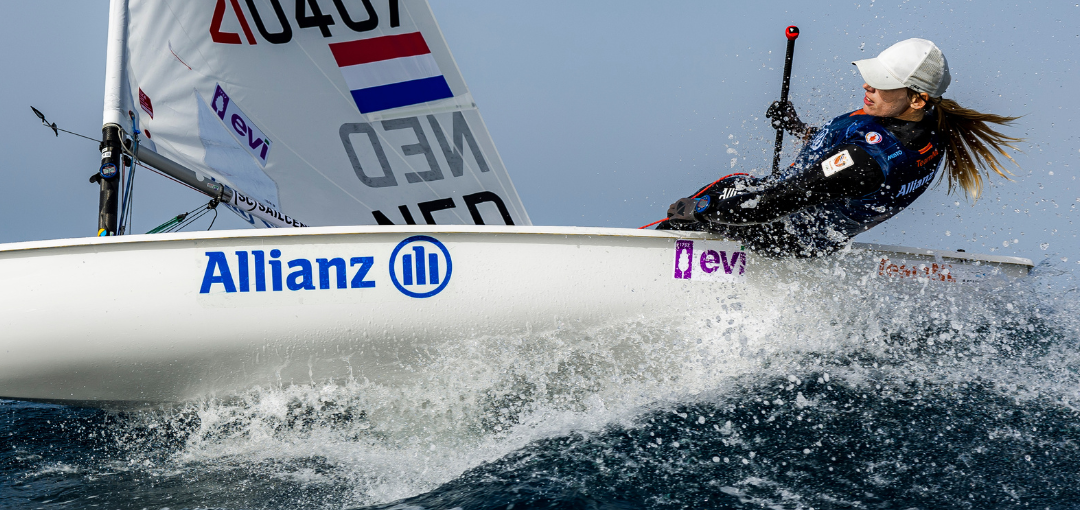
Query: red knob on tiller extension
(792, 32)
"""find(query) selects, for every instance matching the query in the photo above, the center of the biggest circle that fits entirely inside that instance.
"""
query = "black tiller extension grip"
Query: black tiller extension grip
(791, 33)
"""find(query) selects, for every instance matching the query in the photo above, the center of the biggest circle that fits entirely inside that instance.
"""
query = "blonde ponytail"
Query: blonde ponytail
(970, 145)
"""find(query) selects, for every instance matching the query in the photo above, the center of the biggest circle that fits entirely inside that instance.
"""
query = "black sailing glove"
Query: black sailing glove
(682, 210)
(783, 116)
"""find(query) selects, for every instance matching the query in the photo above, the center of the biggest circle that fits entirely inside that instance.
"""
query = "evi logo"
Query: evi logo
(709, 261)
(420, 266)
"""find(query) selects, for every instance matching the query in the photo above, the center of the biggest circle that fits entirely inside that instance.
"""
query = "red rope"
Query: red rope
(653, 223)
(698, 194)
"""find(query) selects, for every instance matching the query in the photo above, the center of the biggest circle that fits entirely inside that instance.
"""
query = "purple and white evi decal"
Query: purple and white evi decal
(249, 135)
(709, 261)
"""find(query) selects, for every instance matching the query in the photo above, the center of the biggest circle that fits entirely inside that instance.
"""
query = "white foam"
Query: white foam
(477, 399)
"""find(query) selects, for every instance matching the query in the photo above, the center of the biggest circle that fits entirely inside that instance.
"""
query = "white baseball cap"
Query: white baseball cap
(917, 64)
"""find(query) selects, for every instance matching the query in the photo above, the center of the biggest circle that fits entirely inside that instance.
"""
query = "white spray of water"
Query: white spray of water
(476, 399)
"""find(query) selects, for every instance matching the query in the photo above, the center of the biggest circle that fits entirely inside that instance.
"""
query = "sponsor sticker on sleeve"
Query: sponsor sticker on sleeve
(837, 163)
(873, 137)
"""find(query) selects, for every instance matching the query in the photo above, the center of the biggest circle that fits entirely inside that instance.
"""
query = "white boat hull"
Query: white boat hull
(168, 318)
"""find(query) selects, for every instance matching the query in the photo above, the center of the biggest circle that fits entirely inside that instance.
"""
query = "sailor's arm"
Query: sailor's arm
(846, 172)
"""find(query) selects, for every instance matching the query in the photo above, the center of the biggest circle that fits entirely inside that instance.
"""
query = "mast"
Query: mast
(108, 176)
(108, 179)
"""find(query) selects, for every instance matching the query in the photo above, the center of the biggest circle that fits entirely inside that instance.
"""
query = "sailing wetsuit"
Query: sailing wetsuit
(857, 171)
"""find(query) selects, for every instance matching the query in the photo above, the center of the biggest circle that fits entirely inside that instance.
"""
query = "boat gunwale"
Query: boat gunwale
(136, 239)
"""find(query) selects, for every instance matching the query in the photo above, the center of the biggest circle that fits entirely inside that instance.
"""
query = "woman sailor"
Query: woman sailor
(861, 168)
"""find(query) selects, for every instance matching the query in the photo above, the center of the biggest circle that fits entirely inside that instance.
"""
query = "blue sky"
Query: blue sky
(606, 112)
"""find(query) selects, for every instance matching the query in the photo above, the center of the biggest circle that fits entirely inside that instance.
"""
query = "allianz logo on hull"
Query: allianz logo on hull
(420, 267)
(254, 272)
(709, 261)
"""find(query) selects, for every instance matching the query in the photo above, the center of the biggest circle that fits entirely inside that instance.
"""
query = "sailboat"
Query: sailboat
(388, 222)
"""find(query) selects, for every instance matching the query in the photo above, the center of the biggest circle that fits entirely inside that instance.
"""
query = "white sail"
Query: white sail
(336, 112)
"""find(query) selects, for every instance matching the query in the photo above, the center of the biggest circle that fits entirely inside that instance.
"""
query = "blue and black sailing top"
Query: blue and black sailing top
(856, 172)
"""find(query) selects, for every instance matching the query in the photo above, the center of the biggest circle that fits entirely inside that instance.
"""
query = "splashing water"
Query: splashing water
(834, 394)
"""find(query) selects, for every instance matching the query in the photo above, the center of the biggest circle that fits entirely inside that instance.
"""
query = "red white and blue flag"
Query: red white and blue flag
(390, 72)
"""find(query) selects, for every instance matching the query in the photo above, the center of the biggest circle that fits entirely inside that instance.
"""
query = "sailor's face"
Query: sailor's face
(885, 103)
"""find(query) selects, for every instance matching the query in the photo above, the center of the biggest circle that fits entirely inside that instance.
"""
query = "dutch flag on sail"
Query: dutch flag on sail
(390, 72)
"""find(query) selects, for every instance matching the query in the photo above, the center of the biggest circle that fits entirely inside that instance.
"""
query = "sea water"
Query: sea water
(842, 396)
